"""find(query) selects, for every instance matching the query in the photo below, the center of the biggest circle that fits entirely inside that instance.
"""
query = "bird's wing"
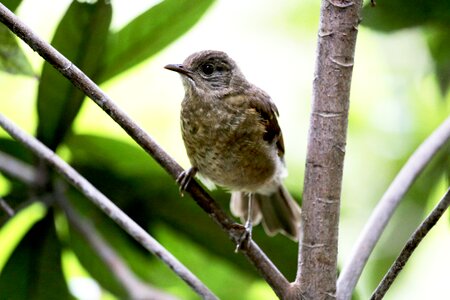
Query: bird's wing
(268, 111)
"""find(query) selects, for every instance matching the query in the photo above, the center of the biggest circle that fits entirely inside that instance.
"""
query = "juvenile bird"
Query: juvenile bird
(232, 138)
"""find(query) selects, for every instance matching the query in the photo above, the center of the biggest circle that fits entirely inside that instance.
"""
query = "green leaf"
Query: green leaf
(11, 4)
(149, 33)
(390, 15)
(12, 59)
(13, 231)
(433, 16)
(439, 45)
(81, 37)
(34, 269)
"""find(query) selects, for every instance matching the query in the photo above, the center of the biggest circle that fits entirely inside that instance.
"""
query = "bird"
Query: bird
(233, 139)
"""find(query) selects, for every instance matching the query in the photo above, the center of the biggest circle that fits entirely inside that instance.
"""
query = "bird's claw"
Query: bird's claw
(246, 235)
(185, 178)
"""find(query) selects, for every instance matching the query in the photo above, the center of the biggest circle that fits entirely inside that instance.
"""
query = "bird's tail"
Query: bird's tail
(279, 212)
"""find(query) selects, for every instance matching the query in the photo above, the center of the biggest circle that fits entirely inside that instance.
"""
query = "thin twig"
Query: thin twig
(17, 169)
(106, 205)
(135, 288)
(265, 267)
(410, 246)
(386, 207)
(5, 206)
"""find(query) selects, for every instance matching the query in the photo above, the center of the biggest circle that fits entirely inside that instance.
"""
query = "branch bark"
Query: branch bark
(17, 169)
(135, 288)
(5, 206)
(106, 205)
(339, 21)
(410, 246)
(386, 206)
(251, 250)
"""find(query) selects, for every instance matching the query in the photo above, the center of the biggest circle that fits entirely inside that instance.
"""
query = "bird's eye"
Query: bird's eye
(208, 69)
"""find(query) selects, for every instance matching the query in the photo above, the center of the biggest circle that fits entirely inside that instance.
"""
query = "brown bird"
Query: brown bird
(232, 138)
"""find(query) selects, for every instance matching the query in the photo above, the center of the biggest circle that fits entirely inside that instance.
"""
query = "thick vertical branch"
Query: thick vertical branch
(339, 20)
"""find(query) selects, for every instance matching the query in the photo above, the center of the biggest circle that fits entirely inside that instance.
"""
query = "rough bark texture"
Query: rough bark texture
(326, 149)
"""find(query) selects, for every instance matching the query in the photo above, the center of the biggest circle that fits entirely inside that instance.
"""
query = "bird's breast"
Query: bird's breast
(226, 144)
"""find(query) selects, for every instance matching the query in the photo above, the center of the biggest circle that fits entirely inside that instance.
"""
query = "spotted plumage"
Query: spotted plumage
(232, 138)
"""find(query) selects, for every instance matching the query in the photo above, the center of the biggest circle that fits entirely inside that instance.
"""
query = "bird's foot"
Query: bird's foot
(246, 235)
(185, 178)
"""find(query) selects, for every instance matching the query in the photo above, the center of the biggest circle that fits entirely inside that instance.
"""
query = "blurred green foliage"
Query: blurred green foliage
(12, 60)
(432, 16)
(125, 172)
(81, 37)
(34, 269)
(129, 177)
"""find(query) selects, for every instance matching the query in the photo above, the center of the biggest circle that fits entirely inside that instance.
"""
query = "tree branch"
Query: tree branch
(106, 205)
(135, 288)
(5, 206)
(410, 246)
(17, 169)
(261, 262)
(386, 206)
(339, 21)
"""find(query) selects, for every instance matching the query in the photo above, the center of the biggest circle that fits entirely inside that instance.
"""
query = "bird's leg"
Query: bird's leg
(248, 223)
(185, 178)
(247, 234)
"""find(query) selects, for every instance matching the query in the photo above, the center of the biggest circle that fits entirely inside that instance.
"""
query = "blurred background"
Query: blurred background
(399, 96)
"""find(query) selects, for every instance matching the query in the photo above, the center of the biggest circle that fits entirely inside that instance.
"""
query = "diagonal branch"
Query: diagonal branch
(261, 262)
(135, 288)
(17, 169)
(106, 205)
(386, 207)
(5, 206)
(410, 246)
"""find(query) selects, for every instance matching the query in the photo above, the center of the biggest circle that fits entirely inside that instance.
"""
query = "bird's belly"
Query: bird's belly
(233, 157)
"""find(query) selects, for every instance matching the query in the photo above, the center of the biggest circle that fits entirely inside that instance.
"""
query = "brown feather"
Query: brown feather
(268, 111)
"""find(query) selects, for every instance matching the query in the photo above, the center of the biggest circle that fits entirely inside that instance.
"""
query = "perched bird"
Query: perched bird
(232, 138)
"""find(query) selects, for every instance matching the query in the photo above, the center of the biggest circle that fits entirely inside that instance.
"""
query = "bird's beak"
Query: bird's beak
(179, 68)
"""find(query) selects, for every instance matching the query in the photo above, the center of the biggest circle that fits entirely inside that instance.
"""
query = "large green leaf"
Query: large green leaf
(34, 269)
(12, 59)
(11, 4)
(149, 33)
(81, 37)
(434, 16)
(439, 45)
(390, 15)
